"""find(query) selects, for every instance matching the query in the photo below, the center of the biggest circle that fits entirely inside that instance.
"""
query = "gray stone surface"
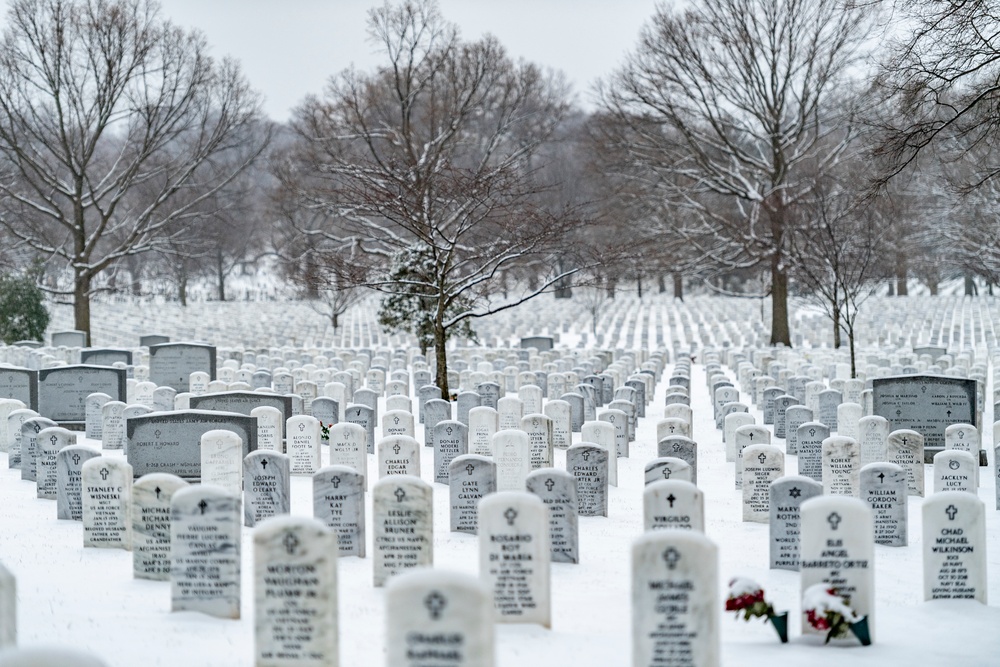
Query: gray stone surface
(837, 531)
(829, 401)
(49, 442)
(667, 467)
(339, 503)
(438, 618)
(512, 454)
(514, 557)
(266, 486)
(242, 402)
(954, 547)
(402, 526)
(205, 531)
(29, 445)
(841, 464)
(8, 608)
(222, 460)
(150, 516)
(171, 441)
(619, 420)
(451, 439)
(588, 463)
(905, 448)
(69, 462)
(557, 489)
(363, 416)
(682, 448)
(673, 503)
(302, 444)
(106, 495)
(873, 432)
(20, 384)
(927, 404)
(171, 364)
(786, 497)
(762, 464)
(810, 437)
(93, 414)
(348, 447)
(295, 593)
(675, 599)
(63, 391)
(539, 430)
(398, 455)
(883, 489)
(435, 410)
(955, 470)
(470, 478)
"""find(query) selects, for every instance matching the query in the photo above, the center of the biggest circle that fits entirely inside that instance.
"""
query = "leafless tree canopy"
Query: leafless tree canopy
(729, 99)
(108, 114)
(426, 169)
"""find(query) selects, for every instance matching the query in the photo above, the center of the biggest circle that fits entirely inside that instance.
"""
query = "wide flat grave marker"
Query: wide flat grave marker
(927, 404)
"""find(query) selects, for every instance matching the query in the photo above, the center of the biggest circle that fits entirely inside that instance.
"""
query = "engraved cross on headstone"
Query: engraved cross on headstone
(470, 469)
(76, 459)
(550, 483)
(291, 543)
(335, 481)
(104, 474)
(203, 506)
(762, 458)
(263, 464)
(670, 499)
(510, 515)
(951, 512)
(671, 556)
(395, 449)
(435, 604)
(834, 520)
(400, 494)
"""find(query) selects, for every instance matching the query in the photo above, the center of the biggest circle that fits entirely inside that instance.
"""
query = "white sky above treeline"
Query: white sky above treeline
(290, 48)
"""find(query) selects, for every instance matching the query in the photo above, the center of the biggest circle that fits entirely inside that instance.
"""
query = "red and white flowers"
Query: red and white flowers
(827, 611)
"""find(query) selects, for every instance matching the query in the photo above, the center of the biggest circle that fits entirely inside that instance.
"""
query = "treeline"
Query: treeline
(759, 147)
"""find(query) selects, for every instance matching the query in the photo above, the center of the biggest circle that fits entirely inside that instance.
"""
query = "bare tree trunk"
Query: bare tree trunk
(335, 321)
(892, 288)
(970, 285)
(932, 285)
(638, 284)
(220, 274)
(850, 340)
(441, 360)
(182, 285)
(81, 303)
(836, 328)
(661, 283)
(901, 270)
(779, 304)
(678, 286)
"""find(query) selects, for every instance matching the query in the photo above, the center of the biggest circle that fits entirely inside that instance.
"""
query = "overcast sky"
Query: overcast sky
(290, 48)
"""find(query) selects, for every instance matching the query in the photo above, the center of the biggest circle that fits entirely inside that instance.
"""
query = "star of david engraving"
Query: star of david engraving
(794, 492)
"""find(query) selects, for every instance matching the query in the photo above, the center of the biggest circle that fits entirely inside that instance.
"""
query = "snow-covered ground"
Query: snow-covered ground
(87, 598)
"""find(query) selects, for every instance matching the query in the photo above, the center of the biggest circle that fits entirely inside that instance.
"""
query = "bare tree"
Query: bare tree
(836, 247)
(426, 173)
(107, 113)
(940, 84)
(728, 99)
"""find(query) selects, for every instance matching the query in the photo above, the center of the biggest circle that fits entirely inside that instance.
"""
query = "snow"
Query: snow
(87, 598)
(819, 598)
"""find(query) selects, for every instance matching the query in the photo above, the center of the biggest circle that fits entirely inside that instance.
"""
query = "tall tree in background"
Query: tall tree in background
(728, 99)
(107, 115)
(425, 170)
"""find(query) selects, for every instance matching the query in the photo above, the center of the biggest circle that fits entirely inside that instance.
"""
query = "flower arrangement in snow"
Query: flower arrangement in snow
(828, 611)
(324, 431)
(746, 598)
